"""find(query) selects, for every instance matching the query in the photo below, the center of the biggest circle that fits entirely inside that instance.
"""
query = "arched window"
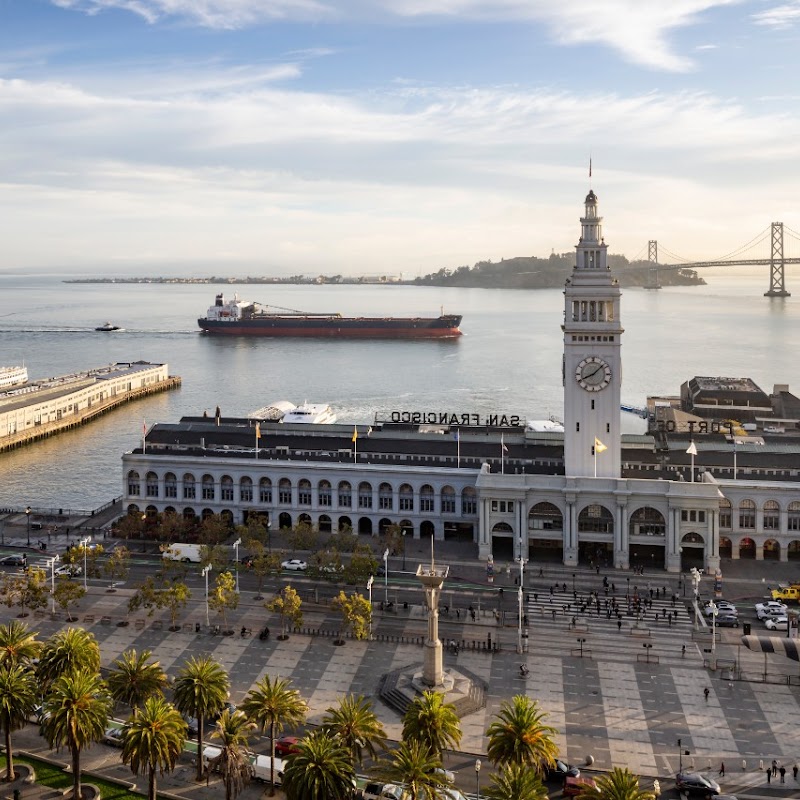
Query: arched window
(208, 489)
(151, 484)
(188, 487)
(545, 517)
(304, 492)
(345, 495)
(170, 485)
(325, 494)
(426, 498)
(469, 502)
(647, 522)
(226, 489)
(406, 498)
(285, 492)
(793, 521)
(448, 500)
(747, 514)
(772, 515)
(364, 495)
(595, 519)
(246, 490)
(265, 490)
(385, 497)
(133, 483)
(725, 513)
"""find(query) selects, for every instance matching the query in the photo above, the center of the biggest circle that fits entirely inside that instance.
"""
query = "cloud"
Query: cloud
(783, 16)
(637, 29)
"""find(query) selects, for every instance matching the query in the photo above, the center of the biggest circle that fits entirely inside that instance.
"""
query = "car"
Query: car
(723, 606)
(770, 605)
(372, 791)
(449, 776)
(696, 783)
(561, 770)
(14, 560)
(770, 613)
(777, 623)
(294, 564)
(69, 570)
(286, 745)
(573, 786)
(114, 734)
(727, 621)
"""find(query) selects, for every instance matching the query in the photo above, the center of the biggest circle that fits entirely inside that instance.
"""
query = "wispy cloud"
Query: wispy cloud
(783, 16)
(638, 30)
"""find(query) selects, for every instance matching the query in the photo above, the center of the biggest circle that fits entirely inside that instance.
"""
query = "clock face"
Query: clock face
(593, 374)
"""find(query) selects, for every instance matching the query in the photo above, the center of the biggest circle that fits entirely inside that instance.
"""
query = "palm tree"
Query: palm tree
(153, 740)
(355, 723)
(233, 763)
(518, 735)
(75, 715)
(273, 704)
(619, 784)
(134, 678)
(201, 690)
(18, 644)
(418, 768)
(18, 694)
(433, 722)
(321, 769)
(516, 782)
(68, 651)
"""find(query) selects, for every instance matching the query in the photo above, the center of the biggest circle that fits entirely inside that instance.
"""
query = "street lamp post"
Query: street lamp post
(84, 543)
(573, 583)
(647, 649)
(696, 575)
(478, 778)
(28, 517)
(520, 595)
(370, 581)
(386, 575)
(236, 557)
(580, 642)
(204, 572)
(404, 551)
(714, 611)
(51, 562)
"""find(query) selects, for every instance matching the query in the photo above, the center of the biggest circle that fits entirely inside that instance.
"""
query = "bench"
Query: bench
(139, 624)
(644, 632)
(89, 619)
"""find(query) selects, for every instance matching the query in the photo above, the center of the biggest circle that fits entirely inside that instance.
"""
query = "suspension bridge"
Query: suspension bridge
(749, 254)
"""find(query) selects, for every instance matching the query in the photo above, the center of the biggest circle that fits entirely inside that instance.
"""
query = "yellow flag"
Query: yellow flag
(258, 430)
(599, 446)
(355, 433)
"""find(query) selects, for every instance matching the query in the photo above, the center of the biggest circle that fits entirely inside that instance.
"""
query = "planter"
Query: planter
(123, 623)
(282, 637)
(338, 642)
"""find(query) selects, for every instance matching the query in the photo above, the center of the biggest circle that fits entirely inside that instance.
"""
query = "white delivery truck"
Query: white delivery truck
(181, 551)
(259, 765)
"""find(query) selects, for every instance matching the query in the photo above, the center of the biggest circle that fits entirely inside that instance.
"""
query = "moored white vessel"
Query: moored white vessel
(310, 414)
(13, 376)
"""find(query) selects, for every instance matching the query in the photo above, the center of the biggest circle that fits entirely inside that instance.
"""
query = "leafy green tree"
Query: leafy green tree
(145, 596)
(131, 526)
(432, 722)
(18, 644)
(356, 613)
(273, 704)
(326, 564)
(201, 689)
(174, 598)
(392, 540)
(288, 605)
(233, 762)
(304, 537)
(18, 695)
(320, 770)
(134, 677)
(223, 597)
(417, 768)
(619, 784)
(518, 735)
(75, 716)
(354, 721)
(214, 530)
(344, 541)
(118, 564)
(153, 740)
(67, 595)
(28, 590)
(262, 563)
(516, 782)
(362, 564)
(66, 652)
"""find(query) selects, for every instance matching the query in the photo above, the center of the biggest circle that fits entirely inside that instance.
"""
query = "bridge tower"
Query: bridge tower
(777, 284)
(652, 257)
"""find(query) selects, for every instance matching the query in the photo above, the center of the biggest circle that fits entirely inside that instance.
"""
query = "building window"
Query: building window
(226, 490)
(725, 515)
(406, 498)
(385, 497)
(448, 500)
(747, 514)
(246, 490)
(426, 498)
(684, 515)
(133, 483)
(701, 516)
(265, 491)
(364, 495)
(170, 485)
(208, 487)
(304, 493)
(151, 485)
(325, 495)
(469, 502)
(345, 495)
(793, 520)
(772, 516)
(285, 492)
(188, 487)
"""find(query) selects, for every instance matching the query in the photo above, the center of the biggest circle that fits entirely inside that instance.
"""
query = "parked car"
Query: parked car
(770, 605)
(696, 783)
(727, 621)
(14, 560)
(70, 570)
(771, 613)
(575, 786)
(777, 624)
(372, 791)
(114, 735)
(286, 745)
(723, 606)
(294, 564)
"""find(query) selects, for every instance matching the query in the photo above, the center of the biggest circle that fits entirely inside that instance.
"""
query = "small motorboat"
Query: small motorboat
(108, 328)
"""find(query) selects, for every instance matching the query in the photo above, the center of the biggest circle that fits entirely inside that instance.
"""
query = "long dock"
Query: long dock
(45, 408)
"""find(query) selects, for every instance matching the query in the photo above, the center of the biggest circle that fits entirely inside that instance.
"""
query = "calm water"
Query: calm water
(508, 361)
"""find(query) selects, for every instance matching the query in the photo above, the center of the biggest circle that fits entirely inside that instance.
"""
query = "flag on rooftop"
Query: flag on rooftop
(355, 434)
(692, 451)
(599, 446)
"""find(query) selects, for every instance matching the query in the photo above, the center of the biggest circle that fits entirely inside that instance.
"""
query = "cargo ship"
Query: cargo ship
(245, 318)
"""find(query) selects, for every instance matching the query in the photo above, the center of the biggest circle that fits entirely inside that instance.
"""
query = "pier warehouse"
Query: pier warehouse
(588, 493)
(45, 407)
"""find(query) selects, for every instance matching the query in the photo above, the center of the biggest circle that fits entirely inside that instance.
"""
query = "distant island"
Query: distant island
(522, 272)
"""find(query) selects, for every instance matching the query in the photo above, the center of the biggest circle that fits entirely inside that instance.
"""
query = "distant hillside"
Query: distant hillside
(530, 272)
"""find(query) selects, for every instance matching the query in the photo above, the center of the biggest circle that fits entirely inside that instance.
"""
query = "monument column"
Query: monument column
(432, 578)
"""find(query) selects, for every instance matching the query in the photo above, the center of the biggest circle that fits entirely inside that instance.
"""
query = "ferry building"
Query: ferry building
(587, 494)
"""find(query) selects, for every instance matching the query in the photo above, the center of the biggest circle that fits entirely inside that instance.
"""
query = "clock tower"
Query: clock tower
(592, 368)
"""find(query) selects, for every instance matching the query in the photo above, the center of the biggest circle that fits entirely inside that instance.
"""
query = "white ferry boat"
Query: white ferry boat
(13, 376)
(310, 414)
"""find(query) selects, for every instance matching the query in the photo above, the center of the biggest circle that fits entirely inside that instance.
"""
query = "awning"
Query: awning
(773, 644)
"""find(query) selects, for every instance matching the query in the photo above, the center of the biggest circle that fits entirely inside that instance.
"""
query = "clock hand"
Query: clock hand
(594, 372)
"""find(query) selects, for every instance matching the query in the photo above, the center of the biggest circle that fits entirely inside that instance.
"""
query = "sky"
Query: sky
(399, 137)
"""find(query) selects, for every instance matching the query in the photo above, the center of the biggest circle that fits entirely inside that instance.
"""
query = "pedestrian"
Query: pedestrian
(794, 771)
(683, 651)
(541, 572)
(706, 692)
(722, 769)
(619, 625)
(782, 771)
(472, 614)
(774, 767)
(769, 774)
